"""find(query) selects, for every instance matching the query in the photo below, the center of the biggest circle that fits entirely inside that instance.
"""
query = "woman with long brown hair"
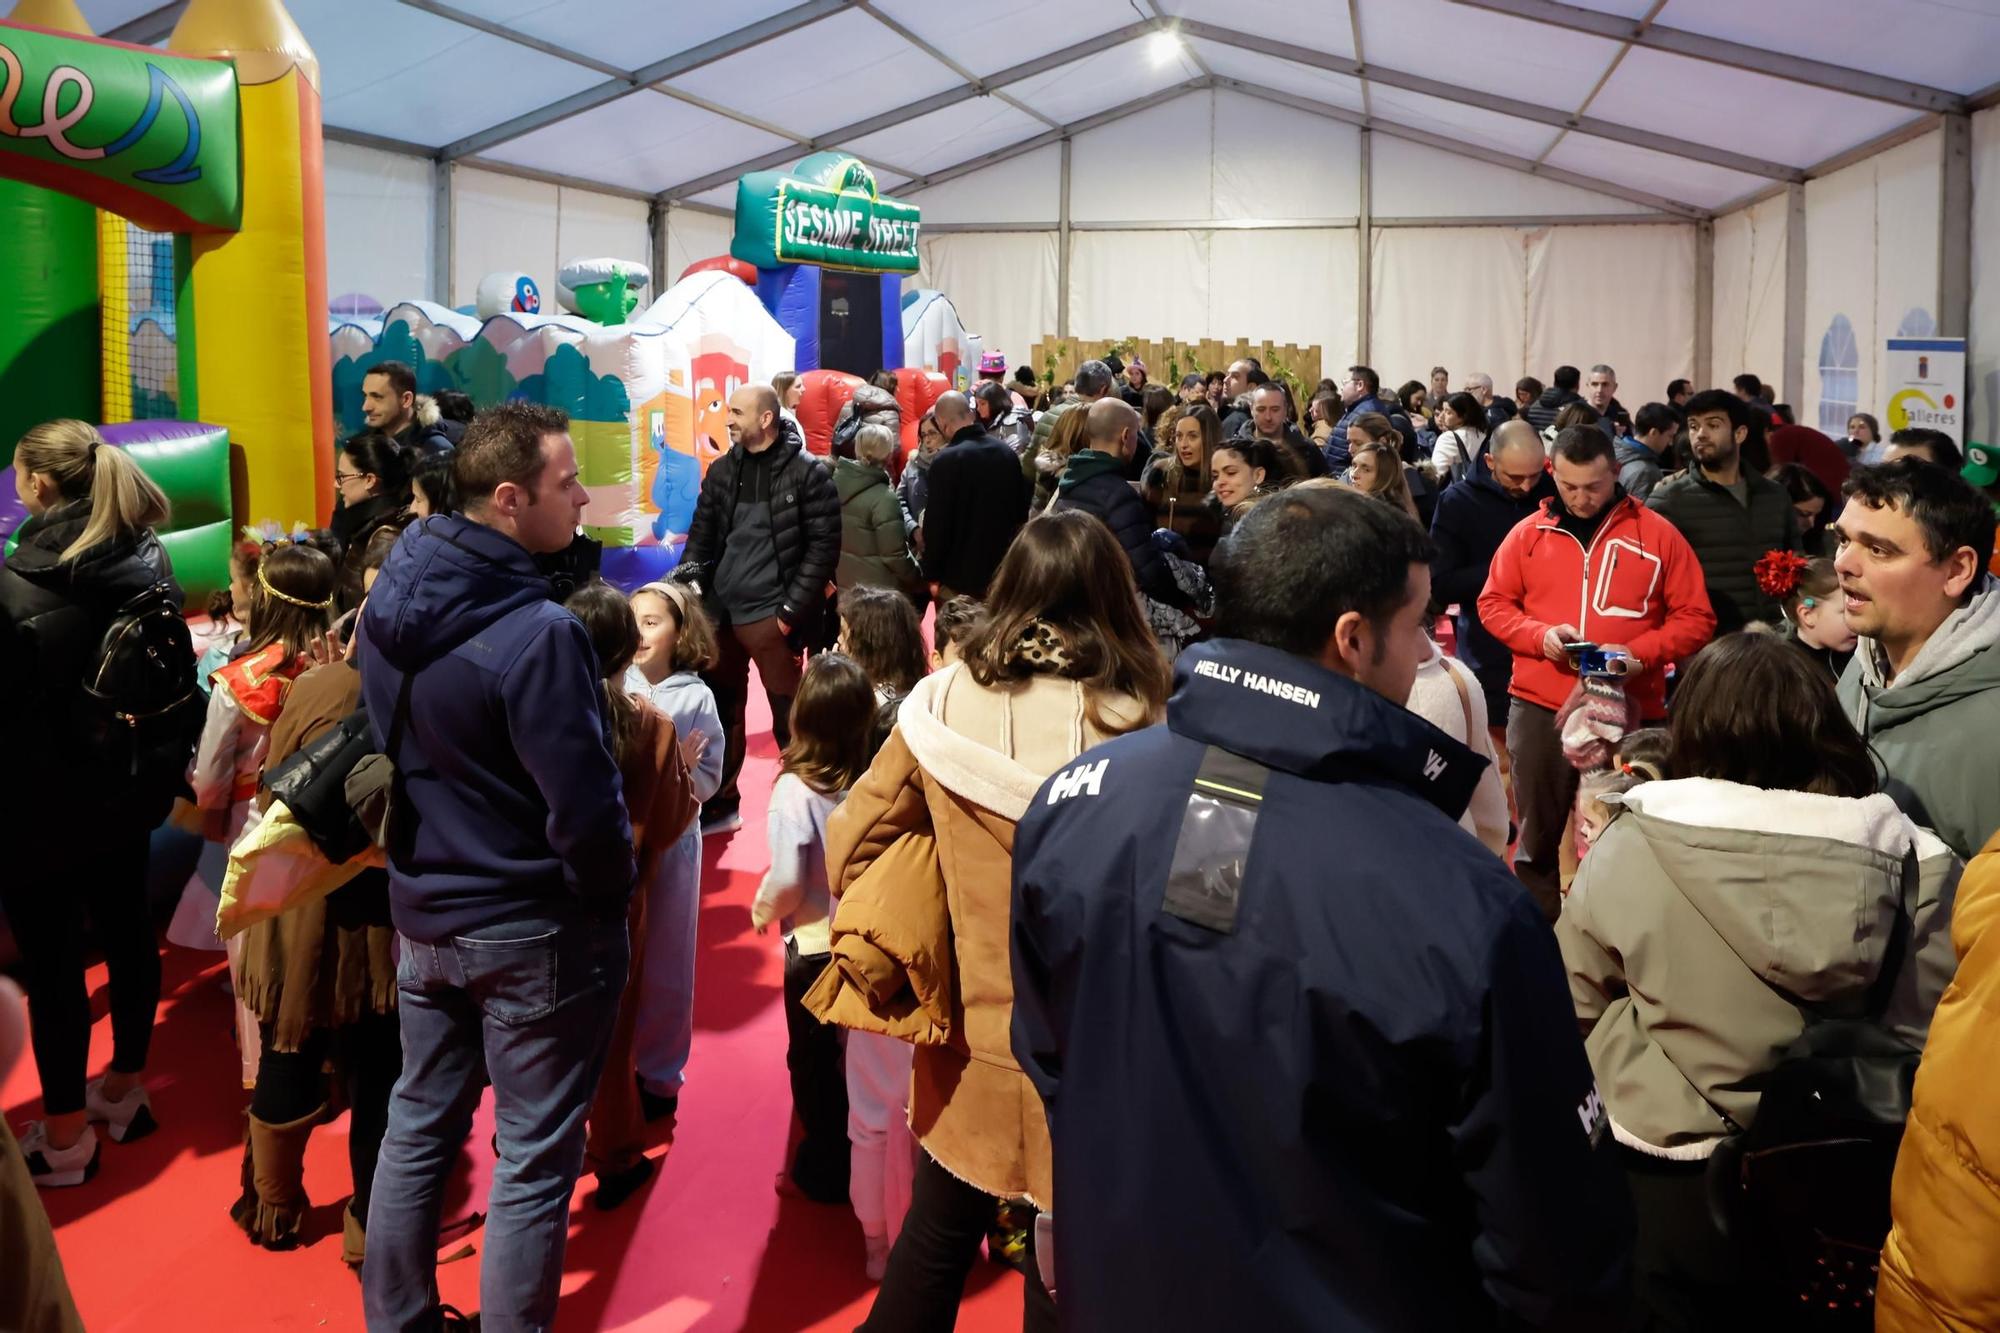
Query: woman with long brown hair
(1061, 660)
(1766, 883)
(1180, 477)
(74, 824)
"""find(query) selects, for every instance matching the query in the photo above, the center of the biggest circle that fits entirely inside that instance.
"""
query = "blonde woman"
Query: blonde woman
(1377, 470)
(76, 832)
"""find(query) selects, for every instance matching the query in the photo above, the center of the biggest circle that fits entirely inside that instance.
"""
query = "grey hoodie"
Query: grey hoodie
(1933, 728)
(1710, 918)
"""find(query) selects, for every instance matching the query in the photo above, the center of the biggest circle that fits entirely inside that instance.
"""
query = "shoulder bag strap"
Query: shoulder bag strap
(1464, 702)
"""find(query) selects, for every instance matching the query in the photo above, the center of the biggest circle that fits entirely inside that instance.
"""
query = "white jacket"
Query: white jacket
(1459, 711)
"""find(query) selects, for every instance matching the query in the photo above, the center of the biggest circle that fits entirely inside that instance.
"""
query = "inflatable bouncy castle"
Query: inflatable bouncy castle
(647, 396)
(212, 146)
(830, 252)
(935, 339)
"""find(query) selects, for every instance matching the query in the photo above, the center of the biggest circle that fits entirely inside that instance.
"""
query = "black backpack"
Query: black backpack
(1804, 1192)
(141, 711)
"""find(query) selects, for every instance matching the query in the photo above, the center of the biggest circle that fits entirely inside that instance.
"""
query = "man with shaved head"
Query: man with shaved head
(1095, 483)
(1474, 515)
(977, 500)
(763, 543)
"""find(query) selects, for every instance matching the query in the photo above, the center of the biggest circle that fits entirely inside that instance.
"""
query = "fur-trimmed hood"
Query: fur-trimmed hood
(1000, 776)
(1711, 921)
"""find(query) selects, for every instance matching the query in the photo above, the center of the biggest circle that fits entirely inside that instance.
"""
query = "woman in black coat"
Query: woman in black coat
(372, 476)
(76, 822)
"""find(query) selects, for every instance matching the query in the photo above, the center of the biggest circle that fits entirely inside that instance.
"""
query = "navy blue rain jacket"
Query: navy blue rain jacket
(509, 802)
(1362, 1106)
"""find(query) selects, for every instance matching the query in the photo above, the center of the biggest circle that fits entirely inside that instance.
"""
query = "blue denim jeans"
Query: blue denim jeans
(527, 1006)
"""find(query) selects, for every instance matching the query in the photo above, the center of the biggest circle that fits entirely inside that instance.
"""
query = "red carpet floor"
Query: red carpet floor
(708, 1245)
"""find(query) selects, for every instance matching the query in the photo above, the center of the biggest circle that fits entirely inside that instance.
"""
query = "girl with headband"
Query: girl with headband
(291, 608)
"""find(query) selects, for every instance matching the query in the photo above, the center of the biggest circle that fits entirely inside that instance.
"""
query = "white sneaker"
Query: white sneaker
(131, 1117)
(878, 1256)
(57, 1168)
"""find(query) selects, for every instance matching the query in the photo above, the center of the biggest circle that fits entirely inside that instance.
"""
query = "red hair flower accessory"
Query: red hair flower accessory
(1778, 573)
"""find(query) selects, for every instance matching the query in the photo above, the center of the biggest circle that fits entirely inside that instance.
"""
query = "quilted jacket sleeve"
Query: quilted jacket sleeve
(819, 516)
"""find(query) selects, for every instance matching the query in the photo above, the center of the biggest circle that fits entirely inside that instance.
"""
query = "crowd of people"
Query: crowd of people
(1245, 856)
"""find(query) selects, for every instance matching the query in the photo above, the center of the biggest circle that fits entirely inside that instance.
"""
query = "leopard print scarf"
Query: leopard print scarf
(1042, 649)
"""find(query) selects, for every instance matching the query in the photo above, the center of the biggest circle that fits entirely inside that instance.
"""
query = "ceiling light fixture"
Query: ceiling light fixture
(1163, 46)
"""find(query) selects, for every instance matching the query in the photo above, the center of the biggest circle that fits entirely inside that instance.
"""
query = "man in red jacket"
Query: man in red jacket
(1596, 566)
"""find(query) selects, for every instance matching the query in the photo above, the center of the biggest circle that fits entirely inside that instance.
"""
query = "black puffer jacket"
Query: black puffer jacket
(52, 614)
(1541, 414)
(805, 525)
(1729, 539)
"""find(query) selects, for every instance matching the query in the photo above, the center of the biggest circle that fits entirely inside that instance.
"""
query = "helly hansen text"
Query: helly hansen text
(1250, 680)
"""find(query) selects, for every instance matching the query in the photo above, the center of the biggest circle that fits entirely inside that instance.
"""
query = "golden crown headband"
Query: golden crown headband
(264, 582)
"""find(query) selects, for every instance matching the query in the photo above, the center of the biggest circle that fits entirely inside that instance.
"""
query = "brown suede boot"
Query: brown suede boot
(277, 1169)
(353, 1237)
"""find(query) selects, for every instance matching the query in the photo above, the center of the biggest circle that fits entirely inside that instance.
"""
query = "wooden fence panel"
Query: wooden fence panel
(1055, 359)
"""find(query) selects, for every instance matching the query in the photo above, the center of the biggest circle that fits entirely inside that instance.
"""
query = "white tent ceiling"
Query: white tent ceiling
(1687, 105)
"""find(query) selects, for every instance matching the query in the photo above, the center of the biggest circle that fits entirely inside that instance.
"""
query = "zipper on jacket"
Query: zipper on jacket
(1583, 602)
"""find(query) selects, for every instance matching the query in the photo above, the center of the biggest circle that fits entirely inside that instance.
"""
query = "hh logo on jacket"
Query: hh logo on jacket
(1082, 780)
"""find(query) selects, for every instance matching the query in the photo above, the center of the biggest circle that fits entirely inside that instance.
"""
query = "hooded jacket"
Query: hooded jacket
(1637, 584)
(1938, 1270)
(874, 545)
(963, 764)
(1095, 483)
(1358, 1087)
(1710, 919)
(805, 524)
(52, 613)
(1932, 728)
(1473, 517)
(1542, 413)
(1729, 537)
(429, 433)
(978, 500)
(508, 802)
(1639, 469)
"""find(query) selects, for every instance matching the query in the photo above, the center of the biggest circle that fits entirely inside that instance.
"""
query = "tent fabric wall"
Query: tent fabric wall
(1413, 180)
(502, 224)
(1027, 188)
(1003, 283)
(1983, 368)
(1620, 295)
(1748, 325)
(1149, 284)
(505, 223)
(1513, 300)
(378, 223)
(1871, 269)
(1283, 287)
(691, 237)
(1450, 296)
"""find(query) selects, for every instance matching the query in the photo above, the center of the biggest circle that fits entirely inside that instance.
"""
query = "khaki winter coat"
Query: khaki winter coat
(1941, 1266)
(963, 763)
(1708, 913)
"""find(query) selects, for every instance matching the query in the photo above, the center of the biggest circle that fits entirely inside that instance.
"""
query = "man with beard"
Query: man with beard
(1730, 515)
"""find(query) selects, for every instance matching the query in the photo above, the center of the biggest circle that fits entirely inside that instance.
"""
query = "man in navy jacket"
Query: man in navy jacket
(1474, 515)
(510, 869)
(1277, 1001)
